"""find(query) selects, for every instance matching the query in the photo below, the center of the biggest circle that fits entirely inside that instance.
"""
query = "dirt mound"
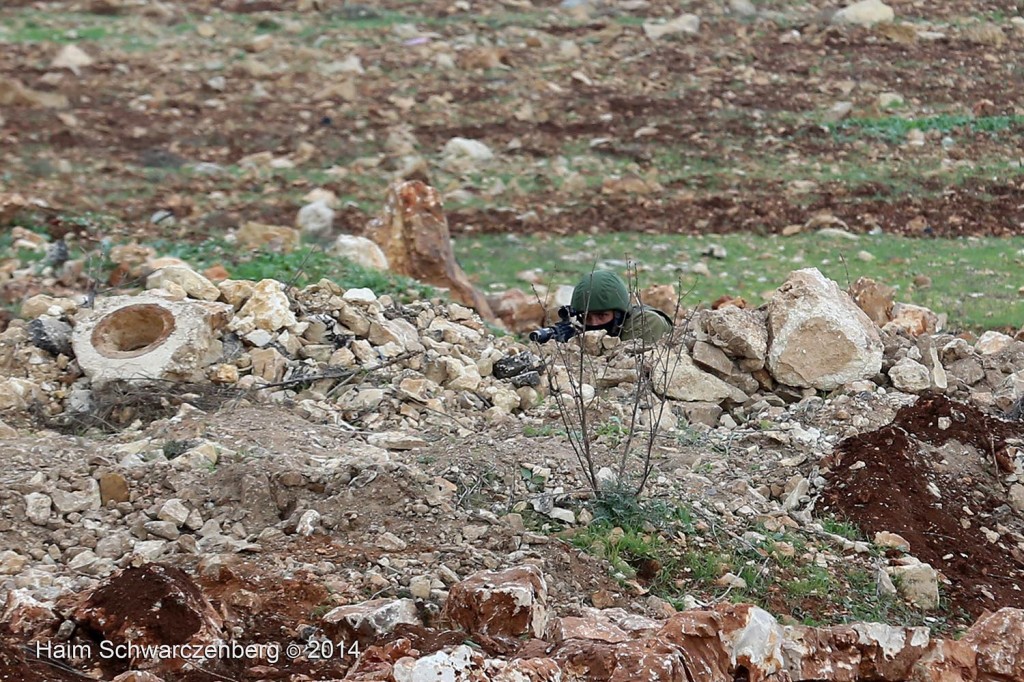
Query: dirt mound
(931, 476)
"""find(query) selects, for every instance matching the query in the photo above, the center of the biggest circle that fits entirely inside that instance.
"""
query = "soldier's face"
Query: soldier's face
(596, 319)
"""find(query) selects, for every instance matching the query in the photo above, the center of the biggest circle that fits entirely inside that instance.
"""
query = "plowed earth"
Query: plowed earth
(728, 127)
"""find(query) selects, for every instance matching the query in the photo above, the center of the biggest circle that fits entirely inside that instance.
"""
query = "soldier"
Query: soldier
(602, 301)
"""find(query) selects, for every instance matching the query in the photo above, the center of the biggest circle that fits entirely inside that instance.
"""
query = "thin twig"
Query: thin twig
(302, 264)
(346, 374)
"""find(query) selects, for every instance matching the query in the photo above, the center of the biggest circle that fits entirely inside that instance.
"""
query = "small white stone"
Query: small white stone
(37, 508)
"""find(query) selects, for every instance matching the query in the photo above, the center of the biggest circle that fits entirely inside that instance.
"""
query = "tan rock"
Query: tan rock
(519, 311)
(268, 306)
(739, 332)
(891, 540)
(395, 440)
(194, 284)
(985, 33)
(216, 273)
(113, 488)
(682, 380)
(253, 235)
(914, 320)
(41, 304)
(18, 394)
(66, 502)
(712, 358)
(236, 291)
(268, 364)
(397, 331)
(875, 299)
(72, 58)
(685, 24)
(505, 603)
(820, 338)
(146, 336)
(864, 13)
(992, 342)
(930, 359)
(132, 257)
(165, 262)
(1016, 497)
(14, 94)
(664, 297)
(360, 250)
(918, 583)
(224, 374)
(315, 218)
(413, 233)
(910, 376)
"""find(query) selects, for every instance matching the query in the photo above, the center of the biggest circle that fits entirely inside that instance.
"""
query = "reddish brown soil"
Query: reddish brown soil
(890, 493)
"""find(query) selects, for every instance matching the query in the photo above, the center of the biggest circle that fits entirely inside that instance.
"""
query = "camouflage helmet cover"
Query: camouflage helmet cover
(600, 290)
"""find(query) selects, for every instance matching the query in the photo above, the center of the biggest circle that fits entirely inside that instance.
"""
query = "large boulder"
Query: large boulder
(360, 250)
(819, 337)
(999, 640)
(518, 310)
(505, 603)
(371, 620)
(413, 233)
(149, 337)
(650, 660)
(683, 380)
(739, 332)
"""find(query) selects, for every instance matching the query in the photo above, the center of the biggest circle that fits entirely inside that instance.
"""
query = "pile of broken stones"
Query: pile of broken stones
(505, 615)
(390, 377)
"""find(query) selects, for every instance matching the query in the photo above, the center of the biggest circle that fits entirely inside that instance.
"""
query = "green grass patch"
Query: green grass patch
(543, 431)
(31, 32)
(895, 128)
(843, 529)
(303, 266)
(972, 280)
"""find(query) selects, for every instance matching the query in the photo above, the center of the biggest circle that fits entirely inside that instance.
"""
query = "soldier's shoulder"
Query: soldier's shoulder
(648, 312)
(647, 323)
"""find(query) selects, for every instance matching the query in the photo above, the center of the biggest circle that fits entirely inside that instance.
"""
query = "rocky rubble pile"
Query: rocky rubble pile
(388, 378)
(516, 637)
(398, 373)
(334, 351)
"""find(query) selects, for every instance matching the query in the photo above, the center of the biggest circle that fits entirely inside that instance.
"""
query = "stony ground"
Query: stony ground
(225, 112)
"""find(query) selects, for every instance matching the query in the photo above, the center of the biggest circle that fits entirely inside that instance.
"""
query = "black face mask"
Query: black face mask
(613, 326)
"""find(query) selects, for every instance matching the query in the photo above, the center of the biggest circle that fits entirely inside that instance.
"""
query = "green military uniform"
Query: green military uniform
(645, 323)
(602, 291)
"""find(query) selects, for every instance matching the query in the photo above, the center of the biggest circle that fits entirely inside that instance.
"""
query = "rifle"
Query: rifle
(560, 332)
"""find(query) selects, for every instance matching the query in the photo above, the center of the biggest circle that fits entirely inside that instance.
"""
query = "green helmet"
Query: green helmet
(600, 290)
